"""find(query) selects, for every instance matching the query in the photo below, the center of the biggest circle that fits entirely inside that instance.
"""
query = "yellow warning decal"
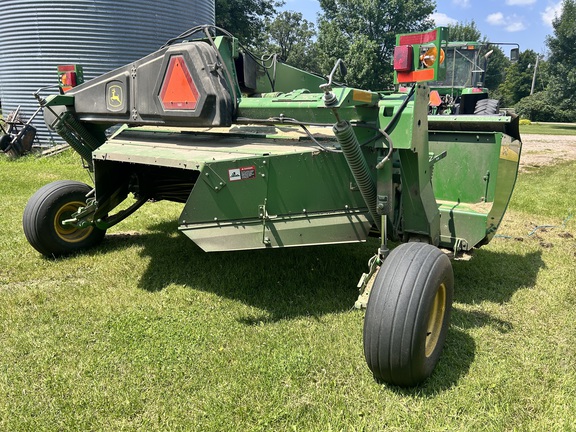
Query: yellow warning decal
(509, 153)
(362, 96)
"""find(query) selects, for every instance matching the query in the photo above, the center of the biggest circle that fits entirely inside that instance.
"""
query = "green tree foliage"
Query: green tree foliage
(562, 60)
(291, 37)
(464, 31)
(245, 18)
(518, 79)
(362, 32)
(557, 75)
(498, 63)
(538, 108)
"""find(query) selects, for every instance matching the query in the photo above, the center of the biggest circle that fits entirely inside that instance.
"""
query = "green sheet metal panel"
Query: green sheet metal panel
(462, 226)
(473, 184)
(189, 149)
(509, 162)
(233, 189)
(311, 182)
(353, 104)
(401, 132)
(239, 188)
(276, 200)
(467, 173)
(303, 230)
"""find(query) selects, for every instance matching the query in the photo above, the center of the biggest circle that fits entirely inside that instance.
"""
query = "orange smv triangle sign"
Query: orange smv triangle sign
(178, 90)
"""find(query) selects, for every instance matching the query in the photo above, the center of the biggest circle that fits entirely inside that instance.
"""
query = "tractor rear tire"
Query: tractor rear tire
(408, 314)
(487, 107)
(44, 213)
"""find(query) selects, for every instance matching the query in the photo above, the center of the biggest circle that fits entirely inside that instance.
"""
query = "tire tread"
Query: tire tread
(398, 309)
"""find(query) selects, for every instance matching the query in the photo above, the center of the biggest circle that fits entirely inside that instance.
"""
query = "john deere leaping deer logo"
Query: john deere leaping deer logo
(115, 96)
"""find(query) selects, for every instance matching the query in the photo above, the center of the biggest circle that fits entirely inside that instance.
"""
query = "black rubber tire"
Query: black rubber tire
(408, 314)
(51, 204)
(487, 107)
(5, 141)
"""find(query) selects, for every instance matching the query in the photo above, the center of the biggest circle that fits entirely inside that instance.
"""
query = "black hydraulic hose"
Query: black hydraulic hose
(226, 71)
(398, 113)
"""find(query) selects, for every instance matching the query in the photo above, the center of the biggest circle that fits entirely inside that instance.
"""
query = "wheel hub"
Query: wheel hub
(69, 233)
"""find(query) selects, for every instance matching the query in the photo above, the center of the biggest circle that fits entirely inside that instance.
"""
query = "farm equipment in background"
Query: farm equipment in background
(17, 136)
(263, 155)
(462, 90)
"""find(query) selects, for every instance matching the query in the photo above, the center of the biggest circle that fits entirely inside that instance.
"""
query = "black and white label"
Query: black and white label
(244, 173)
(234, 174)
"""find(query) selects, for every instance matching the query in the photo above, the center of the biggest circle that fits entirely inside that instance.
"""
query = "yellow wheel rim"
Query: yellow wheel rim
(436, 320)
(69, 233)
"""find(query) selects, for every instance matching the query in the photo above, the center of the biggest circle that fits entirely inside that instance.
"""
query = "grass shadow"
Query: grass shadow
(286, 283)
(567, 127)
(494, 276)
(489, 276)
(457, 357)
(458, 354)
(331, 271)
(313, 281)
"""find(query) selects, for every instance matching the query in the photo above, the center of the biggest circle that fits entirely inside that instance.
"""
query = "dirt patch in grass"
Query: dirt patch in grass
(542, 150)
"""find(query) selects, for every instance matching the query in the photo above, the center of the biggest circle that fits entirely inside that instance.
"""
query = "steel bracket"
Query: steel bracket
(263, 214)
(80, 218)
(212, 179)
(366, 280)
(438, 157)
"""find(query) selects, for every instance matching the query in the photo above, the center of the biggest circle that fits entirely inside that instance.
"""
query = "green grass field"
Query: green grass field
(147, 332)
(549, 128)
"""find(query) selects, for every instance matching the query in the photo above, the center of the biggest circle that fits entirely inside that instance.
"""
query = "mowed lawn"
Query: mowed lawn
(147, 332)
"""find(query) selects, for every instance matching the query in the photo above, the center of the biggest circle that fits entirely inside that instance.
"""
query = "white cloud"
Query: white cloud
(520, 2)
(496, 18)
(550, 13)
(462, 3)
(442, 19)
(515, 26)
(510, 23)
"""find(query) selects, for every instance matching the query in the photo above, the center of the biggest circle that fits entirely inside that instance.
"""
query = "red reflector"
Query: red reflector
(403, 58)
(416, 76)
(67, 68)
(418, 39)
(178, 90)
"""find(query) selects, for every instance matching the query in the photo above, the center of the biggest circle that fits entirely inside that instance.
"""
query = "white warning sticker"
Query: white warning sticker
(234, 174)
(244, 173)
(248, 173)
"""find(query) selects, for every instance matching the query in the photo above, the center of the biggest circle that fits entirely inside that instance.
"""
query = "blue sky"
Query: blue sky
(526, 22)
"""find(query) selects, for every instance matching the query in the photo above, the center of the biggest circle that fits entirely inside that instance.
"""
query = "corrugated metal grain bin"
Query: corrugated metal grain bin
(38, 35)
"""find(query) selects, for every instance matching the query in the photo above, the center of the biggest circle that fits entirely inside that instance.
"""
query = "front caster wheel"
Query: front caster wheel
(45, 212)
(408, 314)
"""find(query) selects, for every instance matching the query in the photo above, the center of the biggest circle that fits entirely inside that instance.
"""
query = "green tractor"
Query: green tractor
(263, 155)
(462, 90)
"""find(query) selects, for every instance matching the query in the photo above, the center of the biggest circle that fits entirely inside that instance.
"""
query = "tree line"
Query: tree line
(362, 33)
